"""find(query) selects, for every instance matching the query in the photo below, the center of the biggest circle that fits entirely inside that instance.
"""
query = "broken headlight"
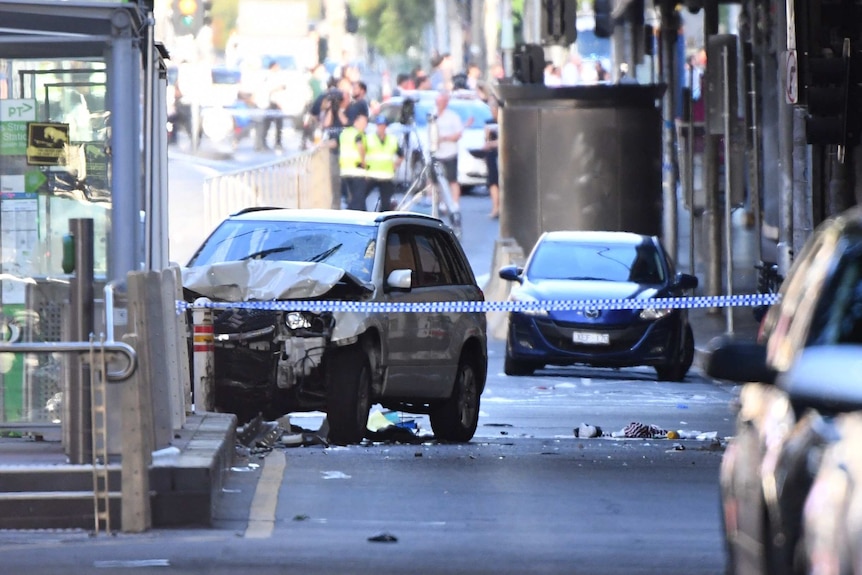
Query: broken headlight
(297, 320)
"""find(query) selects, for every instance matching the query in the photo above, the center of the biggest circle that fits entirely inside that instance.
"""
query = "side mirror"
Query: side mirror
(512, 273)
(827, 378)
(400, 279)
(737, 360)
(686, 281)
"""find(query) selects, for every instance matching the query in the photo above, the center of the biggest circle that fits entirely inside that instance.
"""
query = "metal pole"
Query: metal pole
(149, 220)
(670, 222)
(755, 159)
(728, 228)
(712, 214)
(79, 417)
(689, 172)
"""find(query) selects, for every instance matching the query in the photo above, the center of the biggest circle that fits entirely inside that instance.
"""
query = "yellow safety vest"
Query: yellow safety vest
(349, 159)
(380, 156)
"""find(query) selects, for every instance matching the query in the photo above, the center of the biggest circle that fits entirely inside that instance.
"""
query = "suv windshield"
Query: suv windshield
(345, 246)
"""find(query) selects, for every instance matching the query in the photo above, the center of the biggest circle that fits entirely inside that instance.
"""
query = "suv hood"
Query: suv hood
(266, 280)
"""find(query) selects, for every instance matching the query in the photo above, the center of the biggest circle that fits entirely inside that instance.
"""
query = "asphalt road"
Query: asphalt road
(525, 496)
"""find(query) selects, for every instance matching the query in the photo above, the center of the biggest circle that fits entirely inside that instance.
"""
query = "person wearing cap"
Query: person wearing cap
(351, 162)
(383, 154)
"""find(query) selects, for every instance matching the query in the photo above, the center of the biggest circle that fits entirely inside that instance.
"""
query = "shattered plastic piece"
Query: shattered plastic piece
(292, 439)
(707, 435)
(301, 517)
(334, 475)
(587, 430)
(383, 538)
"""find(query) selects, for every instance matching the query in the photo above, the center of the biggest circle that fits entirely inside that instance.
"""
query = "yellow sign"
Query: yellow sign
(47, 143)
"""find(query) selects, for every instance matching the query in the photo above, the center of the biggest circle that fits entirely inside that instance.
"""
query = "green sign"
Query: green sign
(14, 115)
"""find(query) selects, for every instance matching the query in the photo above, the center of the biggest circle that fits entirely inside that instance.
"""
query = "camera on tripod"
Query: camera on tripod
(408, 112)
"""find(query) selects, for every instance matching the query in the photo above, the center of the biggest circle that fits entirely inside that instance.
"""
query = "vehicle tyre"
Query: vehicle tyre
(512, 366)
(677, 369)
(456, 419)
(348, 394)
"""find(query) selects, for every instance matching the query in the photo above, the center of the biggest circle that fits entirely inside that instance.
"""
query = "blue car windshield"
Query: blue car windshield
(350, 247)
(555, 260)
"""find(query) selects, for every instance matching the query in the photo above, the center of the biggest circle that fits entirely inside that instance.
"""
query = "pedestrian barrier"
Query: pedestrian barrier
(695, 302)
(298, 181)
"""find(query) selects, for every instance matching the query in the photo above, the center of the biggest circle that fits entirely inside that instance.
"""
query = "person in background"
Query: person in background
(352, 151)
(492, 142)
(403, 83)
(273, 90)
(422, 81)
(333, 119)
(383, 155)
(359, 103)
(449, 130)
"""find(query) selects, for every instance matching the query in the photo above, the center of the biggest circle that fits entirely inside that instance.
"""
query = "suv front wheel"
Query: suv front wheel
(348, 394)
(456, 419)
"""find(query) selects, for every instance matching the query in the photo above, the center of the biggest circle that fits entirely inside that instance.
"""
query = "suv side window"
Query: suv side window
(452, 260)
(432, 272)
(399, 253)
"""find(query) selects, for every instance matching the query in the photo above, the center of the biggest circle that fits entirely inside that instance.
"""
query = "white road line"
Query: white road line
(261, 516)
(131, 564)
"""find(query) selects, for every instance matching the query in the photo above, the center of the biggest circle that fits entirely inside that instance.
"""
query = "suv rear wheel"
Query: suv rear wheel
(348, 394)
(456, 418)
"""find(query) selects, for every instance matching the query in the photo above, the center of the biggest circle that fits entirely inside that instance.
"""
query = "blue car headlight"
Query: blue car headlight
(655, 313)
(533, 311)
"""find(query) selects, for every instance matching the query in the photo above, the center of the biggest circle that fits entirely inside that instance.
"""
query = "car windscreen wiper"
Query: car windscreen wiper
(323, 255)
(263, 253)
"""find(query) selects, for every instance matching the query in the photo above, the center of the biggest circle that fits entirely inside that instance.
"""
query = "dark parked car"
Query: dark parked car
(785, 417)
(343, 361)
(585, 265)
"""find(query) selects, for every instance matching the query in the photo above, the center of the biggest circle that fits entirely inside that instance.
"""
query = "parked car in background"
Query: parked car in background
(591, 265)
(472, 171)
(786, 414)
(342, 362)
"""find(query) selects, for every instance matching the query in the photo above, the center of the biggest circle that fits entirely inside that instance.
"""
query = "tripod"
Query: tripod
(429, 182)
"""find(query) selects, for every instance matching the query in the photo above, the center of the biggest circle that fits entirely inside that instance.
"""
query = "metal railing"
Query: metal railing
(298, 181)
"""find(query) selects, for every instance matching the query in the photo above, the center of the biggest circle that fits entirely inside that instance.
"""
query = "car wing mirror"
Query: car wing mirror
(400, 279)
(511, 273)
(827, 378)
(737, 359)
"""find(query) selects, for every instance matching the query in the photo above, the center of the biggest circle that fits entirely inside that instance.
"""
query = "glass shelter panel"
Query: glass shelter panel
(54, 166)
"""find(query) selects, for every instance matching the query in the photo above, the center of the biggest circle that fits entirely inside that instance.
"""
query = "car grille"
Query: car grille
(559, 335)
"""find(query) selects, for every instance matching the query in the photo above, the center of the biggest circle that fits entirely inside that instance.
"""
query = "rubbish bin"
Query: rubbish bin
(580, 158)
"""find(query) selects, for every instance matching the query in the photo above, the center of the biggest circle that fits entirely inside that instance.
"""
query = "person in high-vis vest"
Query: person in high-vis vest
(351, 162)
(383, 154)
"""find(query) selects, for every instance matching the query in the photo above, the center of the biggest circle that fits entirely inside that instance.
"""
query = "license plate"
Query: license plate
(591, 338)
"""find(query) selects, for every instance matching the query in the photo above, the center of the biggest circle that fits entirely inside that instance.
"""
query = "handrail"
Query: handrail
(80, 347)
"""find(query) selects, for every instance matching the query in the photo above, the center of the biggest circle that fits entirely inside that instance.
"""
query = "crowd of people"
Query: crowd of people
(367, 160)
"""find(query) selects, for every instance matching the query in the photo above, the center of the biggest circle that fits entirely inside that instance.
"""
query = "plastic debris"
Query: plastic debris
(383, 538)
(587, 430)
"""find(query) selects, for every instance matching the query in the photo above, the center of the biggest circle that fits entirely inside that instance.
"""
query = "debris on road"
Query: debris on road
(383, 538)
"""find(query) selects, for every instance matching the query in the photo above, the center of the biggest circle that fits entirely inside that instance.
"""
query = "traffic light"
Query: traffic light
(528, 61)
(604, 18)
(831, 89)
(559, 22)
(187, 16)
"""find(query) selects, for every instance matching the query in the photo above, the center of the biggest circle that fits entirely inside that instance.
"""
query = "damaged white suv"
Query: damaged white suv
(343, 361)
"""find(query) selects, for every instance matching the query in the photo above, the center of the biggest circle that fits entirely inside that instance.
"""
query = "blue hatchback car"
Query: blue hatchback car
(588, 265)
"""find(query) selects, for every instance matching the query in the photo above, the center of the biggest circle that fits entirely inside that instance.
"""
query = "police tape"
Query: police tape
(694, 302)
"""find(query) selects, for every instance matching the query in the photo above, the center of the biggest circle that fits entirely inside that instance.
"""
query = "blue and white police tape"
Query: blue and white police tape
(695, 302)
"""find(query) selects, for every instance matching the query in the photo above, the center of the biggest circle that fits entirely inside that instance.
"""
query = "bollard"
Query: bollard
(204, 357)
